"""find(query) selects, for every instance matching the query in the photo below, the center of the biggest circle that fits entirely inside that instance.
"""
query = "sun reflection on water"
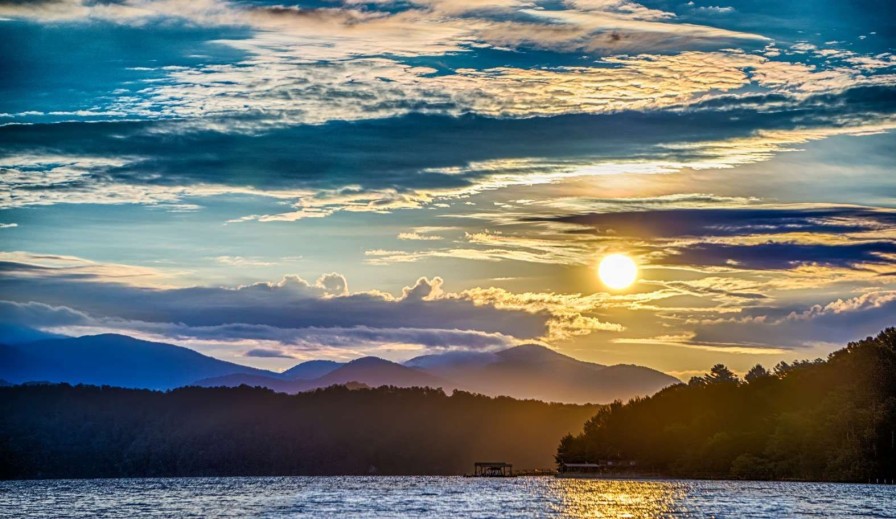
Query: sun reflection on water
(610, 498)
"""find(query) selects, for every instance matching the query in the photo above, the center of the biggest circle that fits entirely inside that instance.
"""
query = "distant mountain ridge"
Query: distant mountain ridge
(533, 371)
(311, 369)
(528, 371)
(115, 360)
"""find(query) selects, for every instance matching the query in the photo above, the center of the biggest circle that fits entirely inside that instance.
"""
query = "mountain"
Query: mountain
(528, 371)
(533, 371)
(292, 380)
(115, 360)
(311, 369)
(17, 334)
(272, 381)
(366, 371)
(451, 359)
(376, 372)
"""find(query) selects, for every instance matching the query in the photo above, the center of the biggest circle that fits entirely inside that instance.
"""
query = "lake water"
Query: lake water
(438, 497)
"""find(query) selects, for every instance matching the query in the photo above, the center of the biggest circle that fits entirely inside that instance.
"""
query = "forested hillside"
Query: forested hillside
(88, 431)
(831, 419)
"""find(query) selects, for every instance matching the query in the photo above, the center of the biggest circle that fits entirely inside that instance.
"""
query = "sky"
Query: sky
(271, 182)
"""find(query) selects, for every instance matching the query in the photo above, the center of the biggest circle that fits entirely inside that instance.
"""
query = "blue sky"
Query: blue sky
(334, 179)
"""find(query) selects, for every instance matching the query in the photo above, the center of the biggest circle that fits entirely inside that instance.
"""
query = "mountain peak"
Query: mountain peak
(375, 372)
(451, 359)
(311, 369)
(371, 362)
(533, 353)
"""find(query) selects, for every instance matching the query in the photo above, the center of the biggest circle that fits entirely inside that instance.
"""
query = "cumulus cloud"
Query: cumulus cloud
(297, 311)
(833, 323)
(272, 341)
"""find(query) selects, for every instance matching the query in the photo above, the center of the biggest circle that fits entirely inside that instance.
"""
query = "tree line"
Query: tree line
(63, 431)
(830, 420)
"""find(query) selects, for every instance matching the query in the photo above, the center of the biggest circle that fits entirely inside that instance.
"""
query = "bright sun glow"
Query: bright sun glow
(617, 271)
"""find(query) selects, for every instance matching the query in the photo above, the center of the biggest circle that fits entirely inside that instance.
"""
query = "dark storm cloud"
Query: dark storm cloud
(782, 255)
(680, 223)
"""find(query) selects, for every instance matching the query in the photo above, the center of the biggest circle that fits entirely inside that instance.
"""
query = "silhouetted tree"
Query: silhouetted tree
(756, 372)
(87, 431)
(719, 374)
(831, 419)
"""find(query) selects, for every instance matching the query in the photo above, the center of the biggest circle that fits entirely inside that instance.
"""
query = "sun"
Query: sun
(617, 271)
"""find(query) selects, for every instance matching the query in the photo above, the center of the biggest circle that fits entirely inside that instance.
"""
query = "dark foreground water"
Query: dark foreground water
(438, 497)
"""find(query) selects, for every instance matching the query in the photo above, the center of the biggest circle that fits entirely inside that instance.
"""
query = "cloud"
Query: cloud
(783, 255)
(679, 223)
(281, 89)
(265, 353)
(547, 133)
(296, 311)
(742, 238)
(833, 323)
(314, 65)
(287, 340)
(423, 27)
(310, 166)
(240, 261)
(713, 9)
(291, 303)
(752, 237)
(424, 233)
(867, 301)
(39, 315)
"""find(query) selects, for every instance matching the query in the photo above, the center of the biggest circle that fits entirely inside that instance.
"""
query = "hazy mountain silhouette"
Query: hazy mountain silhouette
(311, 369)
(110, 359)
(369, 371)
(290, 381)
(270, 381)
(532, 371)
(528, 371)
(17, 334)
(375, 372)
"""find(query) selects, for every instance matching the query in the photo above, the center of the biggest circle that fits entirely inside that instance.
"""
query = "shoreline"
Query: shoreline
(615, 477)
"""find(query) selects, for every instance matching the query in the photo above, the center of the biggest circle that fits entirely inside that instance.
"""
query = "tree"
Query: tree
(810, 420)
(756, 372)
(720, 374)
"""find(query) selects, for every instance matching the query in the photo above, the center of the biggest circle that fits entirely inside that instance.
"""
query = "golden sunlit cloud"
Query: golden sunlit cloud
(617, 271)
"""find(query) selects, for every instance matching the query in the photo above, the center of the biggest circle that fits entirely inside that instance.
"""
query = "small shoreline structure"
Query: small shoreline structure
(491, 469)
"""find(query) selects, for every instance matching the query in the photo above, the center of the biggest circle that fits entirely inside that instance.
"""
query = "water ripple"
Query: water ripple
(381, 497)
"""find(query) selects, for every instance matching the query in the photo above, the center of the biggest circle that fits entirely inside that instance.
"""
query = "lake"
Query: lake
(438, 497)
